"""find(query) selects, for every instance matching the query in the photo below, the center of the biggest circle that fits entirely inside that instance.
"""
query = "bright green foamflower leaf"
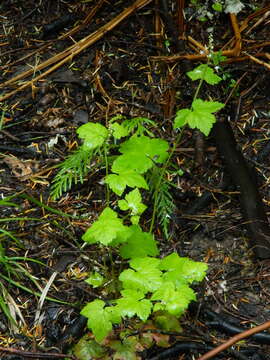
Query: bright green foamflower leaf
(217, 6)
(181, 269)
(107, 228)
(93, 134)
(139, 152)
(118, 130)
(133, 303)
(139, 244)
(134, 180)
(145, 281)
(141, 264)
(135, 219)
(147, 277)
(123, 205)
(133, 202)
(114, 314)
(205, 73)
(95, 279)
(130, 306)
(153, 148)
(217, 57)
(172, 300)
(181, 118)
(206, 106)
(133, 280)
(119, 182)
(200, 116)
(99, 320)
(132, 162)
(135, 294)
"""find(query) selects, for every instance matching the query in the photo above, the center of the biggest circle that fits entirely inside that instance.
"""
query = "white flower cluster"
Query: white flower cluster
(233, 6)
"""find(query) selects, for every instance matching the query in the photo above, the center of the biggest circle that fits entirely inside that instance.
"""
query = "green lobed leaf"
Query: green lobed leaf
(152, 148)
(173, 300)
(139, 152)
(99, 320)
(93, 135)
(133, 202)
(135, 219)
(200, 116)
(181, 118)
(95, 279)
(146, 277)
(217, 57)
(217, 6)
(205, 73)
(206, 106)
(139, 244)
(107, 228)
(114, 314)
(141, 264)
(133, 303)
(132, 162)
(118, 130)
(118, 183)
(181, 269)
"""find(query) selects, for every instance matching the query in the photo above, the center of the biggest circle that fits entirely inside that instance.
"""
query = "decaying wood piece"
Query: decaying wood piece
(244, 177)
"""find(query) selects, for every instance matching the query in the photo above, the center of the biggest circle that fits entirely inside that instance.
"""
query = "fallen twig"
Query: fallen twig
(210, 354)
(38, 355)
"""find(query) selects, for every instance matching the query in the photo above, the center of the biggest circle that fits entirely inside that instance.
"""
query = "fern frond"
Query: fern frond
(164, 202)
(72, 171)
(165, 206)
(137, 125)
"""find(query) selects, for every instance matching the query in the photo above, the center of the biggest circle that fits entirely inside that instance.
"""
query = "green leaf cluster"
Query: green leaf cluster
(110, 230)
(200, 115)
(149, 285)
(138, 155)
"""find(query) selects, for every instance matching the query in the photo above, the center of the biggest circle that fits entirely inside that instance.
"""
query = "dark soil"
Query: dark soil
(125, 72)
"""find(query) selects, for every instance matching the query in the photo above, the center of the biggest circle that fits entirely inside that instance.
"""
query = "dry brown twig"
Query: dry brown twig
(234, 340)
(68, 54)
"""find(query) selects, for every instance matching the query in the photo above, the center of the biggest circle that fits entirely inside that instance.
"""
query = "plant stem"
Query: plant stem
(200, 82)
(107, 172)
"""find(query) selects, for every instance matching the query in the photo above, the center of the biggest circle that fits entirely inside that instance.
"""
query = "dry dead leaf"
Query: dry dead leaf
(21, 169)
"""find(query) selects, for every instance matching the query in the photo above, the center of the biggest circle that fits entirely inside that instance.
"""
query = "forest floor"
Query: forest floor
(131, 70)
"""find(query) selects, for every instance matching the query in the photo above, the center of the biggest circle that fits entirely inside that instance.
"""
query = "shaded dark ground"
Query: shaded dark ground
(116, 75)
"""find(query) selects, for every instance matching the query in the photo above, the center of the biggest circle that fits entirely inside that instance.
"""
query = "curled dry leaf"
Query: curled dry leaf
(21, 169)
